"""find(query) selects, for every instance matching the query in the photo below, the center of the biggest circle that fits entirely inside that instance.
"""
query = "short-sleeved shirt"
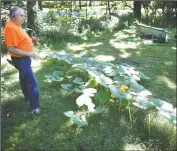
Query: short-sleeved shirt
(15, 36)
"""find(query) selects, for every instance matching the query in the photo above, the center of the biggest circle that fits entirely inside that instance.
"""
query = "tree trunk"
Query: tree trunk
(31, 15)
(80, 4)
(163, 7)
(106, 9)
(109, 8)
(86, 11)
(137, 9)
(90, 4)
(40, 5)
(71, 9)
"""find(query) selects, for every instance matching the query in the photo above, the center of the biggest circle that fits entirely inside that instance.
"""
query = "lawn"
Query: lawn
(110, 130)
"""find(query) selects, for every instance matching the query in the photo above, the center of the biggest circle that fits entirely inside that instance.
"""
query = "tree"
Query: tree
(80, 5)
(109, 9)
(31, 15)
(40, 5)
(86, 11)
(71, 9)
(137, 9)
(90, 4)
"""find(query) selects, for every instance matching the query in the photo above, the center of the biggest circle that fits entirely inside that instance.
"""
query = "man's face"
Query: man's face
(19, 16)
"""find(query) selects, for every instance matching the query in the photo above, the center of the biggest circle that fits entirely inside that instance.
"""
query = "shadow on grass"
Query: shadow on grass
(107, 131)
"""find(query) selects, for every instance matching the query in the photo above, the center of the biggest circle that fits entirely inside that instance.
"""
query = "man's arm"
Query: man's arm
(23, 53)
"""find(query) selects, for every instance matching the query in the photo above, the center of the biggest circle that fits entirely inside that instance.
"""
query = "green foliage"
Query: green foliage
(49, 131)
(159, 14)
(4, 49)
(56, 76)
(56, 29)
(50, 18)
(136, 95)
(102, 97)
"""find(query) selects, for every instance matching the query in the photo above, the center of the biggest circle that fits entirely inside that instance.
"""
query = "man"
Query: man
(20, 47)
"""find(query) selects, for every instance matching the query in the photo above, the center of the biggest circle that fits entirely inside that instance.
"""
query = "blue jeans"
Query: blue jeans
(27, 79)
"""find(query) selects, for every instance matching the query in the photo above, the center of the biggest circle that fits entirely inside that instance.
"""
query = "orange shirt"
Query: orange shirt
(15, 36)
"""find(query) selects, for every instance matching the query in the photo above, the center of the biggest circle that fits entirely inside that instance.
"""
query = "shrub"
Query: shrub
(4, 49)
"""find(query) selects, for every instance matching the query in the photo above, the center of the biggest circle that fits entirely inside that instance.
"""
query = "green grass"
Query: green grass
(108, 131)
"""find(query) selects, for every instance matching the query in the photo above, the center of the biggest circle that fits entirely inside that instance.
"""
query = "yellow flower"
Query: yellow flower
(93, 83)
(124, 88)
(112, 96)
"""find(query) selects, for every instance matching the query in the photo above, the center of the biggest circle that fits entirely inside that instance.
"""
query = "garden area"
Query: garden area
(103, 85)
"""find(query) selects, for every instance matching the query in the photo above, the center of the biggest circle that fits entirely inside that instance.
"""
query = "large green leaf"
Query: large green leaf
(143, 76)
(58, 79)
(80, 101)
(142, 103)
(144, 93)
(118, 94)
(171, 118)
(57, 74)
(90, 106)
(69, 113)
(78, 121)
(67, 86)
(102, 97)
(125, 80)
(162, 105)
(84, 99)
(167, 107)
(93, 73)
(48, 76)
(136, 77)
(48, 80)
(135, 87)
(121, 69)
(109, 71)
(90, 91)
(103, 80)
(77, 90)
(157, 102)
(78, 81)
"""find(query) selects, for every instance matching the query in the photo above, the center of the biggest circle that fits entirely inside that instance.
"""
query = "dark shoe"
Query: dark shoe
(36, 111)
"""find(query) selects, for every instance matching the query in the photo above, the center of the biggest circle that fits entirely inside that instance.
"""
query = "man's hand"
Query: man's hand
(34, 55)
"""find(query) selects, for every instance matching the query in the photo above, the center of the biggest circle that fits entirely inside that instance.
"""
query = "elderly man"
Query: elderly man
(20, 47)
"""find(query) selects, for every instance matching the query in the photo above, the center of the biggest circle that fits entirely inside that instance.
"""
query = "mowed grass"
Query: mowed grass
(110, 130)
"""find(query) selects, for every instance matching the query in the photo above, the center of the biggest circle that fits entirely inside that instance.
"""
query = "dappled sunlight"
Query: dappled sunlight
(93, 45)
(79, 47)
(130, 31)
(93, 50)
(36, 65)
(174, 48)
(120, 35)
(138, 53)
(104, 58)
(82, 53)
(84, 38)
(169, 63)
(75, 48)
(147, 42)
(133, 147)
(167, 81)
(124, 45)
(124, 54)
